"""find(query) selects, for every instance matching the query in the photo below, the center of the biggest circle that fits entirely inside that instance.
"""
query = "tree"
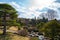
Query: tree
(51, 14)
(33, 22)
(8, 13)
(51, 29)
(40, 26)
(19, 20)
(43, 18)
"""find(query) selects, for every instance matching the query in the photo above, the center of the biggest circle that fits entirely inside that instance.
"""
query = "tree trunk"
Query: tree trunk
(18, 28)
(4, 30)
(4, 23)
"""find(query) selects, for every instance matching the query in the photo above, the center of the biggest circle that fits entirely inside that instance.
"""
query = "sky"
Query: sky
(33, 8)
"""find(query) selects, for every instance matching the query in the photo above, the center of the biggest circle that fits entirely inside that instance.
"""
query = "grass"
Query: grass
(1, 31)
(11, 36)
(5, 37)
(19, 38)
(34, 38)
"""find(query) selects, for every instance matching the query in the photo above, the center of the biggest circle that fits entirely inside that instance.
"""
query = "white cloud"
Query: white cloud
(27, 12)
(41, 3)
(30, 11)
(17, 6)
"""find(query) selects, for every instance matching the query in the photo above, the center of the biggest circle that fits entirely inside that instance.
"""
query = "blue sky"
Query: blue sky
(33, 8)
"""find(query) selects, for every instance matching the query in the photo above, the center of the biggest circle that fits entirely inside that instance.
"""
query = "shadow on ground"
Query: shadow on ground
(5, 37)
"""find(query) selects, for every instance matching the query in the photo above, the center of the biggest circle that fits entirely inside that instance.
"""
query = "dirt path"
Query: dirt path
(12, 31)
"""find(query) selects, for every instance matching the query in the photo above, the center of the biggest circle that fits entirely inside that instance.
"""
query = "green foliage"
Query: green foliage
(21, 23)
(34, 38)
(6, 6)
(40, 25)
(8, 16)
(11, 13)
(51, 28)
